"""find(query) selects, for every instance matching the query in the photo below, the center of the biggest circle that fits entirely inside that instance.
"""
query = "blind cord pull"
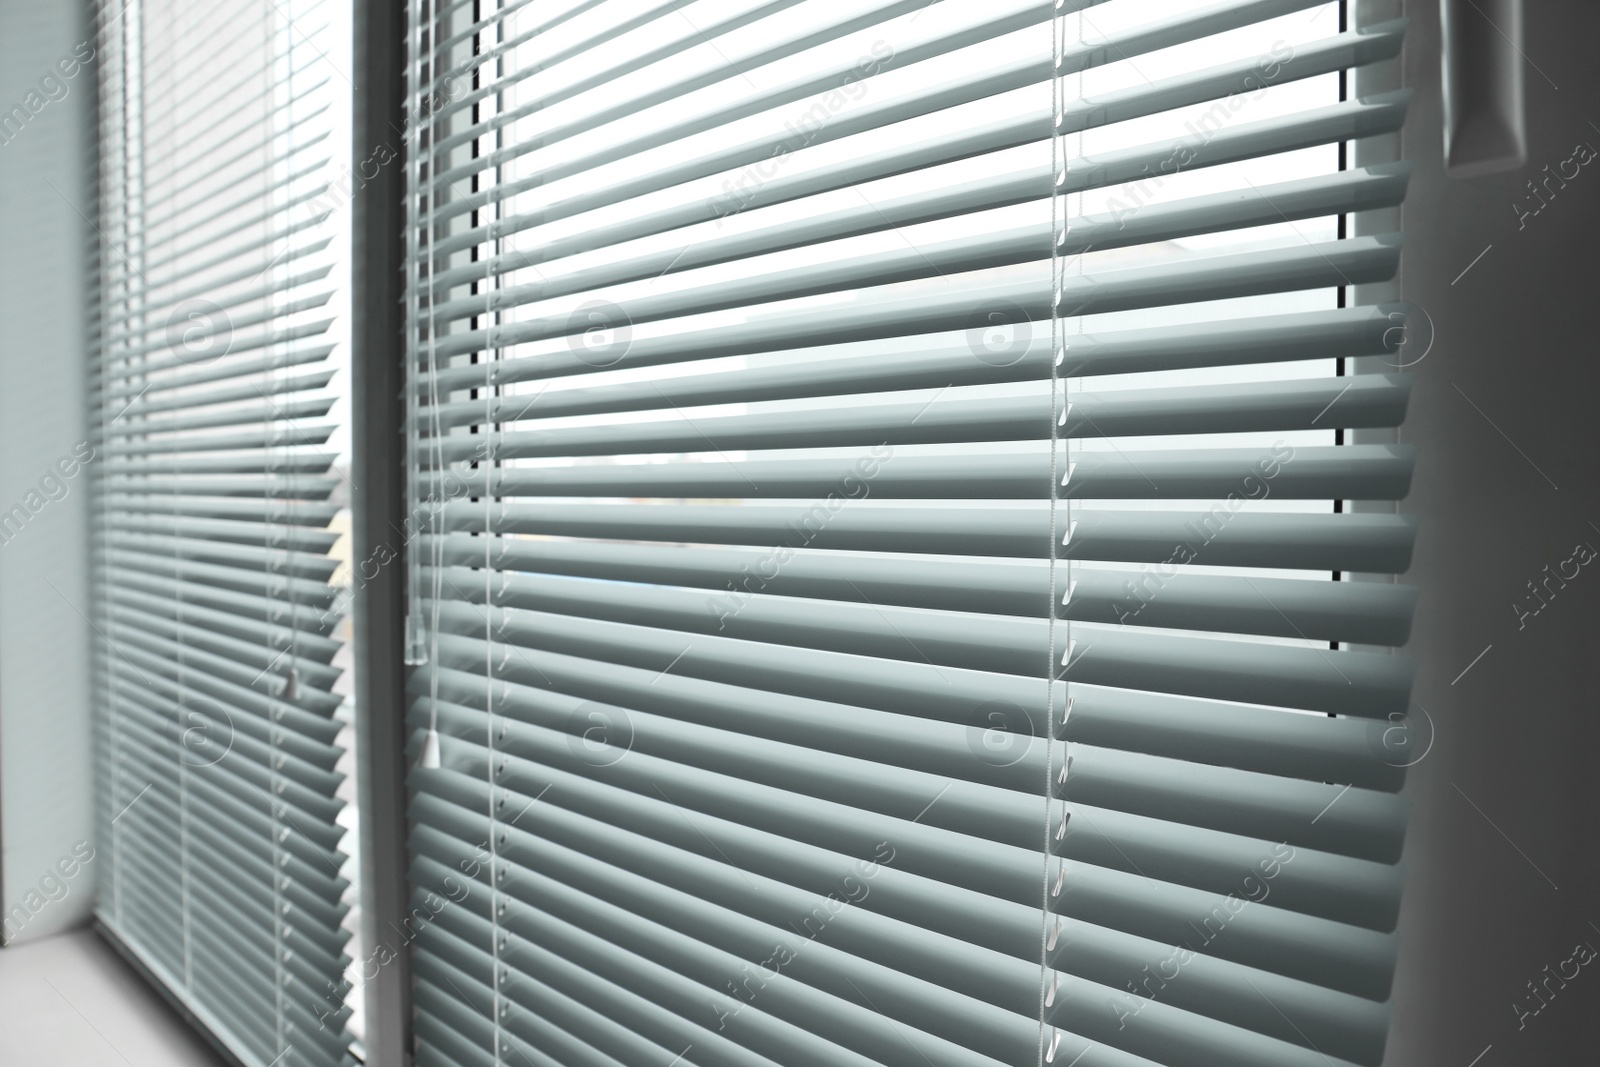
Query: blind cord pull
(429, 760)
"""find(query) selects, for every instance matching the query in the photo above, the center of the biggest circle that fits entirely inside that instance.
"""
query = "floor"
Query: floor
(71, 1001)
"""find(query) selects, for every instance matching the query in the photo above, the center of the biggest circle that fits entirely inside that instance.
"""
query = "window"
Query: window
(218, 504)
(872, 473)
(873, 583)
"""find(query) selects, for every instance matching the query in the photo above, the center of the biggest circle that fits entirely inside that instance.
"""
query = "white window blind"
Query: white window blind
(872, 476)
(213, 388)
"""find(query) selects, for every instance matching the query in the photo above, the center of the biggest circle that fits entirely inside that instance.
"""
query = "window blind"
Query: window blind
(872, 538)
(218, 689)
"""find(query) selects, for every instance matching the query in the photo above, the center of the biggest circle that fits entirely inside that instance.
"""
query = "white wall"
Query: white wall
(46, 783)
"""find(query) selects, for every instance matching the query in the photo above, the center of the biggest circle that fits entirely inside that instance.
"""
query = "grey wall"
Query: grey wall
(1502, 858)
(46, 788)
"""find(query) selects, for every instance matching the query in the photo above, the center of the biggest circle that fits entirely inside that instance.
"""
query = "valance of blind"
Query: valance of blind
(215, 486)
(873, 539)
